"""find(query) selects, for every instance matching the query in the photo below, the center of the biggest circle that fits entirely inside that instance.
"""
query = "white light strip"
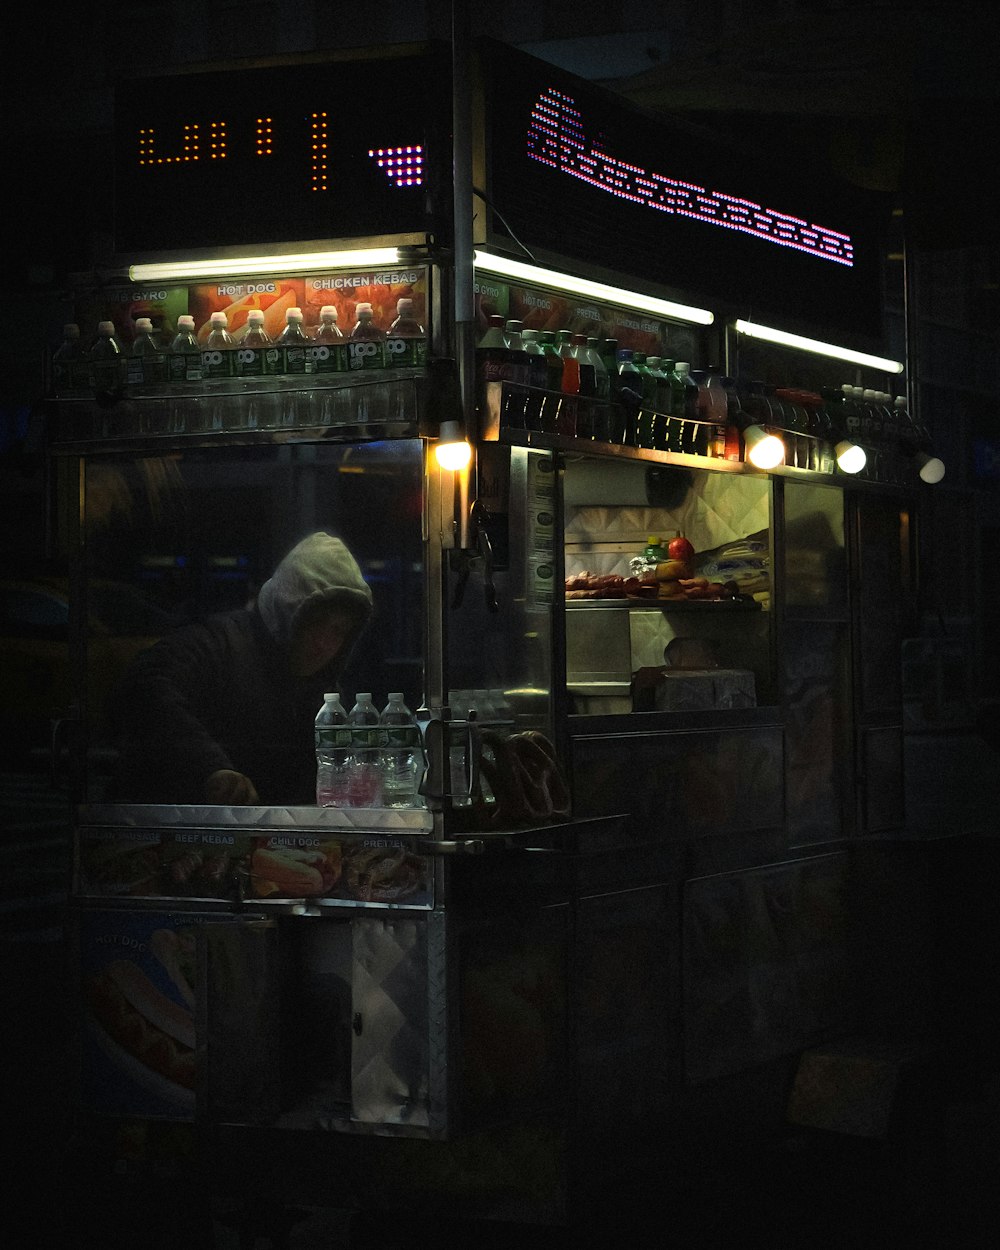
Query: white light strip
(506, 268)
(238, 266)
(784, 339)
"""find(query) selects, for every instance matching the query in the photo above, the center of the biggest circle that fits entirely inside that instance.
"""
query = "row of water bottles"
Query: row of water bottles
(216, 356)
(367, 758)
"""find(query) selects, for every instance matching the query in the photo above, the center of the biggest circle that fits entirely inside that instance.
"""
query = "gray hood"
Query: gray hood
(319, 569)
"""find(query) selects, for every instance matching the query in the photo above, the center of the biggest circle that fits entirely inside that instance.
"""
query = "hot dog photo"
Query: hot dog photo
(138, 990)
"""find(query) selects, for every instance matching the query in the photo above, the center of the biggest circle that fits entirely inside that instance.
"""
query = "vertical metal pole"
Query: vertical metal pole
(461, 105)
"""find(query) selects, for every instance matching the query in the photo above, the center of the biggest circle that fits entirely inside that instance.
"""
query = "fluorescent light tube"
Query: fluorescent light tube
(784, 339)
(506, 268)
(239, 266)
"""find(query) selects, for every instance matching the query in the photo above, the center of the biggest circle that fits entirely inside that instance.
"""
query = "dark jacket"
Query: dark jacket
(219, 694)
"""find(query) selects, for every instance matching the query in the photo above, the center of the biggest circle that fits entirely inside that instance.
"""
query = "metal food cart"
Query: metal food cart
(487, 1003)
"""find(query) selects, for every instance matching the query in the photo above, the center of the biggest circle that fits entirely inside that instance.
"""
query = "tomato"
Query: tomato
(680, 549)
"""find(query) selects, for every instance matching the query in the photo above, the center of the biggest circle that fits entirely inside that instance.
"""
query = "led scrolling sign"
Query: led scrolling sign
(403, 166)
(276, 154)
(701, 210)
(556, 137)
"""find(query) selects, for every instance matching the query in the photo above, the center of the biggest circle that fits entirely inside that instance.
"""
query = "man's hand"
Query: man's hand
(230, 787)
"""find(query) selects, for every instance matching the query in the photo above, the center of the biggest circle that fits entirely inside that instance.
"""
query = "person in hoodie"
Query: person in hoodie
(222, 711)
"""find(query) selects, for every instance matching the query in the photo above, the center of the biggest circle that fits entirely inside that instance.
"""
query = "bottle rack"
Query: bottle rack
(532, 410)
(521, 414)
(383, 404)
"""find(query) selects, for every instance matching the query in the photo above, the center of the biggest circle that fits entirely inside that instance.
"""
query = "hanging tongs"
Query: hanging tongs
(482, 551)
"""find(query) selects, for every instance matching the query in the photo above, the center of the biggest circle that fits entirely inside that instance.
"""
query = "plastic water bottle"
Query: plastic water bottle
(69, 363)
(146, 369)
(367, 342)
(184, 357)
(256, 355)
(106, 362)
(333, 753)
(364, 786)
(218, 362)
(328, 348)
(402, 755)
(406, 339)
(293, 343)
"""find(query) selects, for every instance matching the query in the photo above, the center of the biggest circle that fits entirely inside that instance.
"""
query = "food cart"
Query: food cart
(628, 879)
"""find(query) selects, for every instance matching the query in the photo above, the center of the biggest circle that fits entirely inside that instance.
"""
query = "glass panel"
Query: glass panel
(176, 541)
(817, 730)
(697, 628)
(500, 637)
(815, 562)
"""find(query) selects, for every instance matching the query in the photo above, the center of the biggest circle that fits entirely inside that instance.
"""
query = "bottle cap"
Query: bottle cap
(682, 366)
(653, 540)
(293, 314)
(332, 697)
(71, 330)
(185, 322)
(144, 325)
(256, 316)
(530, 335)
(364, 308)
(328, 312)
(397, 694)
(496, 320)
(106, 327)
(219, 319)
(404, 306)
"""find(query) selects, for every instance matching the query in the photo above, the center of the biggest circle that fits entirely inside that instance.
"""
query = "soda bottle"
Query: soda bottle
(684, 404)
(293, 346)
(629, 396)
(602, 387)
(734, 420)
(402, 755)
(184, 357)
(645, 434)
(333, 753)
(406, 339)
(366, 349)
(586, 413)
(494, 365)
(536, 374)
(516, 370)
(364, 786)
(553, 380)
(69, 363)
(218, 361)
(713, 408)
(569, 384)
(106, 363)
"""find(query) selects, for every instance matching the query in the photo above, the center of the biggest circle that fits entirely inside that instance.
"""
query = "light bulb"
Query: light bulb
(764, 451)
(452, 450)
(850, 457)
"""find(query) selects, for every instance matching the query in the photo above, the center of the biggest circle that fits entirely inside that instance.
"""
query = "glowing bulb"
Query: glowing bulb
(850, 457)
(764, 451)
(453, 455)
(931, 469)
